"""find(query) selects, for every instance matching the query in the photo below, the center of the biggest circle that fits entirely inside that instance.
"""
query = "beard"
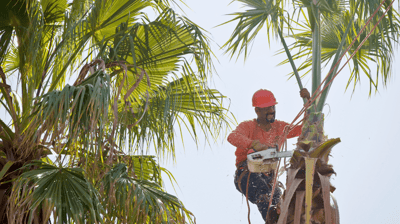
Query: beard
(272, 119)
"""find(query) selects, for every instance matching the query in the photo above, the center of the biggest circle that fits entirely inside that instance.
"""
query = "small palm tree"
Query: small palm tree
(322, 32)
(73, 148)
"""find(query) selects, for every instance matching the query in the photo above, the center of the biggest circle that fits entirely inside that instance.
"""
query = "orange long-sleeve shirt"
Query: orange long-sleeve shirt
(247, 131)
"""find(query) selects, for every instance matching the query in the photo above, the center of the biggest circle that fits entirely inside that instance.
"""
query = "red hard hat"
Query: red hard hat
(264, 98)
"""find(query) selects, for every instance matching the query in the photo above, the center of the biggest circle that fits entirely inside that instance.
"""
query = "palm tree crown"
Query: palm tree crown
(75, 146)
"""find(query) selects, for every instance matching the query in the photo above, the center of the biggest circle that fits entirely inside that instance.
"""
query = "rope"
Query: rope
(274, 185)
(247, 197)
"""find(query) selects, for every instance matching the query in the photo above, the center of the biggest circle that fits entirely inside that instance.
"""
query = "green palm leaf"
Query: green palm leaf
(249, 23)
(82, 107)
(185, 101)
(378, 49)
(130, 200)
(62, 190)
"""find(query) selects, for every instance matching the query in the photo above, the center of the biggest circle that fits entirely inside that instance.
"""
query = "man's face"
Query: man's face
(267, 113)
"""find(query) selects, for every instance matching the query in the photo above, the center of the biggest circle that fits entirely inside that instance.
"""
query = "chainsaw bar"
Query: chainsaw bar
(270, 153)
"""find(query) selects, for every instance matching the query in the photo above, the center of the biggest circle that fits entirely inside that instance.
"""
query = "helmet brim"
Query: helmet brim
(266, 104)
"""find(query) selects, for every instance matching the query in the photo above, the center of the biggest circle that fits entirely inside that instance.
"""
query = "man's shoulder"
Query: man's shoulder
(281, 123)
(250, 122)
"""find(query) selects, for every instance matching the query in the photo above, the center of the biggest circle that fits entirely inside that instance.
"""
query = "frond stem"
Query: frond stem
(47, 63)
(335, 64)
(316, 50)
(329, 78)
(291, 61)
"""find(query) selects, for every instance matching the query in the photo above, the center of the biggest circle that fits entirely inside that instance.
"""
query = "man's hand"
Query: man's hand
(304, 93)
(258, 146)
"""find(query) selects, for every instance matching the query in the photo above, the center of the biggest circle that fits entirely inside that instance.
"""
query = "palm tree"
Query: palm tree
(322, 32)
(75, 148)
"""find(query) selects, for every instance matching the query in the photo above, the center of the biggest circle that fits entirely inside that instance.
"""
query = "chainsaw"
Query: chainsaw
(271, 153)
(266, 160)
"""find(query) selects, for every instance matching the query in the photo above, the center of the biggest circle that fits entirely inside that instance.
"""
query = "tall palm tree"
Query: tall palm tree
(321, 31)
(89, 89)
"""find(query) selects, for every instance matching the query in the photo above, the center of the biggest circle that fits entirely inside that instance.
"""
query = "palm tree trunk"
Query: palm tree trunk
(307, 197)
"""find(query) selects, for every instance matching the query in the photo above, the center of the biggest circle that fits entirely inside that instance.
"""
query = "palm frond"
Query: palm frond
(185, 101)
(75, 110)
(377, 49)
(5, 39)
(98, 23)
(128, 200)
(249, 23)
(63, 192)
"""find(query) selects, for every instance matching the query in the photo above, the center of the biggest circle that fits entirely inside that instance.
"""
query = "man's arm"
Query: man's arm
(296, 131)
(240, 137)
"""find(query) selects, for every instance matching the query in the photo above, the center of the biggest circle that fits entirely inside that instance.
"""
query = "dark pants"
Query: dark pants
(260, 187)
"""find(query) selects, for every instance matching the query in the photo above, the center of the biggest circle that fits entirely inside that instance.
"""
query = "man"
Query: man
(257, 135)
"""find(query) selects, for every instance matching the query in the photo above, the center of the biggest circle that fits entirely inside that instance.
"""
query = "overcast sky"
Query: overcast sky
(365, 161)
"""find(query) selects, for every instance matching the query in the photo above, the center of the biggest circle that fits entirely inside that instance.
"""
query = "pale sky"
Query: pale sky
(365, 161)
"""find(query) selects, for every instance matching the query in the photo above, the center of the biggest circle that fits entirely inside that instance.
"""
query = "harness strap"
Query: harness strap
(245, 170)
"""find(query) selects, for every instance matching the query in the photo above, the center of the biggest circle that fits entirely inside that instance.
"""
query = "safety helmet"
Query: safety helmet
(263, 98)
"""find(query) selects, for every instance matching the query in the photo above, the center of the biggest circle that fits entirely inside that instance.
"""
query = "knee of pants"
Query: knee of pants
(250, 190)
